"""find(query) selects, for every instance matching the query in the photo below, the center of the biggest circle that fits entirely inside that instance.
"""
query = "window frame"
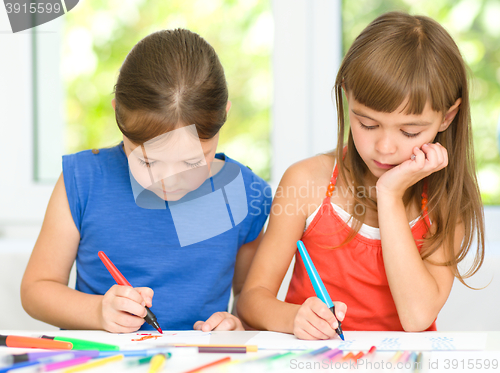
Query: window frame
(31, 136)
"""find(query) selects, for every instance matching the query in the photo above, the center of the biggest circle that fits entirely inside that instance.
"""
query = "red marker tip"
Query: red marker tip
(161, 331)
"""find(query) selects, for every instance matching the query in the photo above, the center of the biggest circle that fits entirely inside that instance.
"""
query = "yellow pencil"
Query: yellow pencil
(396, 356)
(156, 363)
(94, 363)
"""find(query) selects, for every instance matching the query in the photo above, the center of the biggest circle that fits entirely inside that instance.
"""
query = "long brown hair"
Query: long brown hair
(170, 78)
(400, 57)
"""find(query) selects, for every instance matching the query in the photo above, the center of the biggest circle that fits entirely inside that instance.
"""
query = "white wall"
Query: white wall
(306, 56)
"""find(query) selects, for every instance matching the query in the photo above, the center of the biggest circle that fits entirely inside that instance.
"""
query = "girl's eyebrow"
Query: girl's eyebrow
(412, 123)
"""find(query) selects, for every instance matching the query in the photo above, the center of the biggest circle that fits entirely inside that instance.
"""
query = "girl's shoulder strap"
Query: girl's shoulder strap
(333, 180)
(424, 203)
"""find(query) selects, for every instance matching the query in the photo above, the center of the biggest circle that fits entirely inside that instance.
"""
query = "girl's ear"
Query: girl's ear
(450, 115)
(113, 103)
(228, 106)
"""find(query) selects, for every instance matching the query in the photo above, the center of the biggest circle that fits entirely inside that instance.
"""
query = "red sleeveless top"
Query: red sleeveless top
(353, 273)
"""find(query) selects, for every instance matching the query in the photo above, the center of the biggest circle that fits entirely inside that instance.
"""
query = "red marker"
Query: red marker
(121, 280)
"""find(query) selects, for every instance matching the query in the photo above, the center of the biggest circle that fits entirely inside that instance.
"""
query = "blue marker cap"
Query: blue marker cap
(317, 283)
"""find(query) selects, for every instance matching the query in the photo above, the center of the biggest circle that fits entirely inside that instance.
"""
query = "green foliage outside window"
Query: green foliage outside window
(99, 34)
(475, 26)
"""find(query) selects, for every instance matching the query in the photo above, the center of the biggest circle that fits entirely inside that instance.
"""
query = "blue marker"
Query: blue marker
(317, 283)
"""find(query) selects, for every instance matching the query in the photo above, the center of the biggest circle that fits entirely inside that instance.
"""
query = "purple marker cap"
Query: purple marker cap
(34, 356)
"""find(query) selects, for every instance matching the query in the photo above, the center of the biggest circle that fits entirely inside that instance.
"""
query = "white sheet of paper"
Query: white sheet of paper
(384, 341)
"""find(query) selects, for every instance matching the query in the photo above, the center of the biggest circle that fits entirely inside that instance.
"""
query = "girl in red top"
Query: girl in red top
(389, 215)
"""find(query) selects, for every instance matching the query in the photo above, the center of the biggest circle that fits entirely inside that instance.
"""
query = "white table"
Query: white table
(185, 359)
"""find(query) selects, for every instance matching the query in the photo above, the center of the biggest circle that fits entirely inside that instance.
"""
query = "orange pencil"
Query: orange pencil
(220, 361)
(349, 356)
(359, 355)
(30, 342)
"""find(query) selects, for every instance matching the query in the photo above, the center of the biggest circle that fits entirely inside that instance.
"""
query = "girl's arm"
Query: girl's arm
(418, 287)
(258, 306)
(45, 294)
(244, 259)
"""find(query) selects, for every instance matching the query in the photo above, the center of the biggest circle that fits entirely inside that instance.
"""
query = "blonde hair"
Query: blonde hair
(398, 58)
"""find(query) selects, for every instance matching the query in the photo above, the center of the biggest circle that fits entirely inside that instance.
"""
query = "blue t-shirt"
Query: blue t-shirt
(190, 282)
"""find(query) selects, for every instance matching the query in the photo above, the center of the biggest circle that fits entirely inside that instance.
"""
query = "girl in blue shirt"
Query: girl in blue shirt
(178, 220)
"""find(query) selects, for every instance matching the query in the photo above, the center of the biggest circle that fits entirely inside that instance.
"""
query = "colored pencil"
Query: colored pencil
(348, 357)
(418, 363)
(404, 357)
(222, 350)
(156, 363)
(319, 351)
(333, 353)
(359, 355)
(65, 364)
(94, 364)
(42, 360)
(82, 344)
(216, 362)
(396, 356)
(30, 342)
(146, 360)
(249, 348)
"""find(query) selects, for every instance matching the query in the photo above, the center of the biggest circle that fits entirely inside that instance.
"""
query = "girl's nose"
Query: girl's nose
(170, 182)
(385, 145)
(169, 173)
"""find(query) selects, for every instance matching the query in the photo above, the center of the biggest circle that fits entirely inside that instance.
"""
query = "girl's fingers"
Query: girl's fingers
(436, 156)
(121, 322)
(229, 323)
(419, 157)
(340, 310)
(147, 295)
(304, 334)
(197, 325)
(327, 317)
(128, 321)
(219, 321)
(317, 319)
(431, 155)
(127, 305)
(312, 331)
(127, 292)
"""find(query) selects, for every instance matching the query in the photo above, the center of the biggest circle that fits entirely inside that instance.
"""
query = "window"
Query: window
(31, 125)
(98, 35)
(474, 27)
